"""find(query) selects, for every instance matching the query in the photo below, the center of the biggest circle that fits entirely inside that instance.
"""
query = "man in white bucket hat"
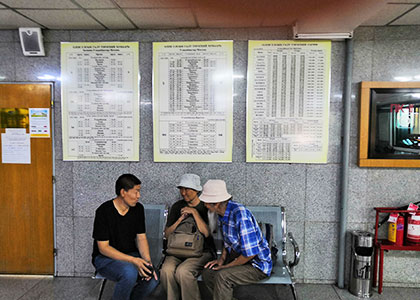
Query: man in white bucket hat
(246, 255)
(179, 275)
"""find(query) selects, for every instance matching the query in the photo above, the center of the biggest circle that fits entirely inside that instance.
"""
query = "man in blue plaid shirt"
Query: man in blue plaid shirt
(246, 255)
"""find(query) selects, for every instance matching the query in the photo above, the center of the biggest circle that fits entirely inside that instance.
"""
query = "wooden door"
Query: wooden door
(26, 193)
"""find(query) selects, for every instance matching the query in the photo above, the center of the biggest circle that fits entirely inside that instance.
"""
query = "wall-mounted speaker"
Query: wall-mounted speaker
(31, 41)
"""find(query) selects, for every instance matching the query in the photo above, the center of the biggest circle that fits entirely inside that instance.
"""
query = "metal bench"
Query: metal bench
(283, 270)
(155, 215)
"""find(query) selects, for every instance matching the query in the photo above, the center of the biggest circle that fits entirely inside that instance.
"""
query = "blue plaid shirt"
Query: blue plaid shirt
(242, 234)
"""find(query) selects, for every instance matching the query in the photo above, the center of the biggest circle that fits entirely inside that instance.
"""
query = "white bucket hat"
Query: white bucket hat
(190, 181)
(214, 191)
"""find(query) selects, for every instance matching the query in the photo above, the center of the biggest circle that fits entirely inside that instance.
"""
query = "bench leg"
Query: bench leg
(375, 267)
(292, 286)
(381, 270)
(101, 289)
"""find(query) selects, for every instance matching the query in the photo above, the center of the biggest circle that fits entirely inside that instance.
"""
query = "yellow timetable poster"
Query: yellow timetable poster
(288, 101)
(192, 101)
(100, 101)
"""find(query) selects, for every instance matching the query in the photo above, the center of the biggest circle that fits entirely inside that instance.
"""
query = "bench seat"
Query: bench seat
(279, 275)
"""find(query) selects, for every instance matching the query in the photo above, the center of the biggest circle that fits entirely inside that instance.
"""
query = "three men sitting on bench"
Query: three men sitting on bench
(120, 222)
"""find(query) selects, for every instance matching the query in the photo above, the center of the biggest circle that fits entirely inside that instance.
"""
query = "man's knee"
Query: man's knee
(167, 270)
(183, 273)
(223, 277)
(207, 275)
(129, 274)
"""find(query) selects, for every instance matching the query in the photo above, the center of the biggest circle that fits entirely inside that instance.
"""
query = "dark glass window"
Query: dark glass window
(394, 129)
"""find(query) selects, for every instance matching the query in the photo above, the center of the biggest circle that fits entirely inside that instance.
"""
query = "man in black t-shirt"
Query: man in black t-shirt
(179, 275)
(120, 248)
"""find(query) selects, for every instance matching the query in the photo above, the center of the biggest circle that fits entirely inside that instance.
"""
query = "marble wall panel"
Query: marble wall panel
(354, 152)
(321, 249)
(65, 259)
(389, 33)
(234, 174)
(239, 34)
(83, 245)
(402, 264)
(145, 68)
(338, 58)
(364, 33)
(58, 36)
(335, 123)
(99, 36)
(277, 33)
(159, 181)
(334, 154)
(63, 188)
(7, 61)
(394, 59)
(57, 93)
(146, 114)
(179, 35)
(278, 184)
(240, 58)
(93, 184)
(322, 193)
(359, 207)
(7, 36)
(58, 138)
(362, 60)
(392, 187)
(354, 119)
(146, 132)
(34, 68)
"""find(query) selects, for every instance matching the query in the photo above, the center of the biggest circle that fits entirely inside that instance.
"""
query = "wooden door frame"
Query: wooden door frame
(52, 131)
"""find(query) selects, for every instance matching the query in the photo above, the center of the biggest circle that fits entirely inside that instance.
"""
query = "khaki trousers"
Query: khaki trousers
(221, 283)
(179, 276)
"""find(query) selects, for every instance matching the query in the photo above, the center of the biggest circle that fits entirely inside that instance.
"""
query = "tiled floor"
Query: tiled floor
(63, 288)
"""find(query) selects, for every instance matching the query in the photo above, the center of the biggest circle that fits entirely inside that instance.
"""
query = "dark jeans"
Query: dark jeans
(128, 284)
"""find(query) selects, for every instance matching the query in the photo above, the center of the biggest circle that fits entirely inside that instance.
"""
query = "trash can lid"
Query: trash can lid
(362, 238)
(362, 233)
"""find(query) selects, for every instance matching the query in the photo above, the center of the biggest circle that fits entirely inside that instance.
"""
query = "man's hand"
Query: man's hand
(188, 211)
(216, 264)
(181, 218)
(144, 271)
(185, 212)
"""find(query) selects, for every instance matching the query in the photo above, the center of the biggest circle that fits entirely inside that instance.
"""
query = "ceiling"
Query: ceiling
(311, 16)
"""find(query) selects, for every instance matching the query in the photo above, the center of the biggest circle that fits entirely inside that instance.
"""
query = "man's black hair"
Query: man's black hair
(126, 182)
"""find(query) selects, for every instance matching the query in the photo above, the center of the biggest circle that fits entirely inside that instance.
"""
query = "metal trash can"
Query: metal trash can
(361, 269)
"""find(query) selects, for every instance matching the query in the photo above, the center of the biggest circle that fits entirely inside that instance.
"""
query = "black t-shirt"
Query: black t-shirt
(119, 230)
(175, 213)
